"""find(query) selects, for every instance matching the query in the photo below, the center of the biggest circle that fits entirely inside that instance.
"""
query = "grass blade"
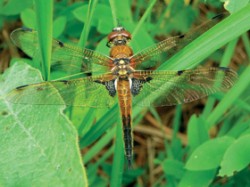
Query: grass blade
(44, 16)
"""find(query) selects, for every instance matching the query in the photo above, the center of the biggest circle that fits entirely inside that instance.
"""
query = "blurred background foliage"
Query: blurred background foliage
(173, 146)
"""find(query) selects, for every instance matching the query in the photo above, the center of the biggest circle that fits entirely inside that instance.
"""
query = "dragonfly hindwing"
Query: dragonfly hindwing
(137, 85)
(110, 86)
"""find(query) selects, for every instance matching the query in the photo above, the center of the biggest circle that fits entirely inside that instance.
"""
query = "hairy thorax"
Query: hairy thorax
(121, 51)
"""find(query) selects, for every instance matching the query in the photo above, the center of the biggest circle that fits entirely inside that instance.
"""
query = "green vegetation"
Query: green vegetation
(53, 145)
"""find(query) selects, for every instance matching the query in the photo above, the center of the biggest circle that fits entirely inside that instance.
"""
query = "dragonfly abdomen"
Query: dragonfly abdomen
(125, 103)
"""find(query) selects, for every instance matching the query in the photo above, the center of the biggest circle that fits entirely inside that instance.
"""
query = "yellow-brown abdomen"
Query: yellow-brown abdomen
(124, 95)
(125, 103)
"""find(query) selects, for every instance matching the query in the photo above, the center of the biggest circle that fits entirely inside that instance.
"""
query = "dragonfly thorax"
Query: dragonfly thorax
(121, 61)
(122, 67)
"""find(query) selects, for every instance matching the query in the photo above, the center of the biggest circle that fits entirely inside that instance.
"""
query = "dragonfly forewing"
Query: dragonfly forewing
(164, 50)
(65, 57)
(78, 92)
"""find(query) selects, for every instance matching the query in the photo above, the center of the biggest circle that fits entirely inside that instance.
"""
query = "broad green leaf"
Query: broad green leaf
(235, 5)
(13, 7)
(209, 155)
(197, 178)
(38, 142)
(102, 17)
(236, 157)
(59, 26)
(81, 13)
(174, 168)
(28, 17)
(197, 132)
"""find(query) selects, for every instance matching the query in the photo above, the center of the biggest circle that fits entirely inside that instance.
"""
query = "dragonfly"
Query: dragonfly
(128, 77)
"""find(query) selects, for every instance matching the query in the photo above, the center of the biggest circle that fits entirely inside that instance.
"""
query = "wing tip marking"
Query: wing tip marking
(21, 87)
(182, 36)
(219, 16)
(61, 44)
(224, 68)
(64, 81)
(180, 72)
(26, 29)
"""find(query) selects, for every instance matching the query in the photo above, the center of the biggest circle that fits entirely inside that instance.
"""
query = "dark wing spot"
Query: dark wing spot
(4, 113)
(21, 87)
(63, 81)
(137, 85)
(60, 43)
(182, 36)
(148, 79)
(27, 29)
(219, 16)
(180, 72)
(224, 68)
(110, 86)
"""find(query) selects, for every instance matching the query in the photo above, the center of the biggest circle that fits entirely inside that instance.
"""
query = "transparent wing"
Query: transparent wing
(162, 51)
(64, 57)
(166, 88)
(77, 92)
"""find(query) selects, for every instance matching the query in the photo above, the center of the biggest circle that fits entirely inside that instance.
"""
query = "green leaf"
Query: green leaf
(28, 17)
(209, 155)
(197, 132)
(236, 157)
(173, 167)
(210, 41)
(13, 7)
(44, 16)
(59, 26)
(197, 178)
(38, 143)
(234, 5)
(118, 162)
(102, 17)
(80, 13)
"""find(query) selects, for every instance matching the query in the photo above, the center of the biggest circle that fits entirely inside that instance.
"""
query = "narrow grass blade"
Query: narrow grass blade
(118, 162)
(44, 15)
(87, 25)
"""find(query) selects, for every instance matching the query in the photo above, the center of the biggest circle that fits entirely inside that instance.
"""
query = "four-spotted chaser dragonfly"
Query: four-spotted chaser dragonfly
(124, 78)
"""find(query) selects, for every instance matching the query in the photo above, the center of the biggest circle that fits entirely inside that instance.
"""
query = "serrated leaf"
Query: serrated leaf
(209, 155)
(38, 143)
(236, 157)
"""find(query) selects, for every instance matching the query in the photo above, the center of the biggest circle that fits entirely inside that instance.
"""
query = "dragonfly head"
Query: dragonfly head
(118, 36)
